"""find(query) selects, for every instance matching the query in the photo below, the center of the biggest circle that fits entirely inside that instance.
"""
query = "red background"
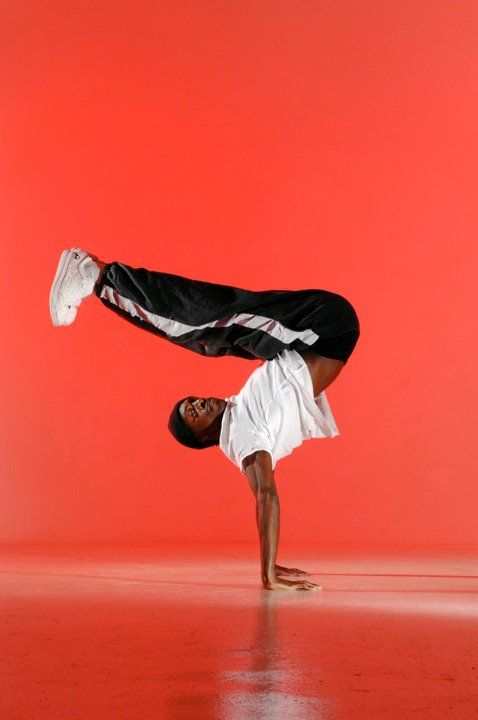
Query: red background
(264, 145)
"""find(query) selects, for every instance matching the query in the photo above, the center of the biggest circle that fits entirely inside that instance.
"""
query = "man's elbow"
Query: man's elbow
(258, 468)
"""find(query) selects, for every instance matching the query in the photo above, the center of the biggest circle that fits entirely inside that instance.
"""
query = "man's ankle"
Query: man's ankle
(101, 265)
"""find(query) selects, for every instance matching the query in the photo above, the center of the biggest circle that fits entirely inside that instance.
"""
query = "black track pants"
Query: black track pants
(217, 320)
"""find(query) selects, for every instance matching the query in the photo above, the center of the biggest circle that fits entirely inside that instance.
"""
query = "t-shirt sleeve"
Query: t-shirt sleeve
(242, 434)
(247, 441)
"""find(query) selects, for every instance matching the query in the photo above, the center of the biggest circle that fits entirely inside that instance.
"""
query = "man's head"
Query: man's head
(196, 421)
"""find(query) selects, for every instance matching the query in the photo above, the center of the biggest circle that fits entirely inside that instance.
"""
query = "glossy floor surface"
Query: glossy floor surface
(137, 633)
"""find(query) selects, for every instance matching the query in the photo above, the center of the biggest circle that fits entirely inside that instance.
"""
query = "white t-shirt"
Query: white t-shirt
(275, 411)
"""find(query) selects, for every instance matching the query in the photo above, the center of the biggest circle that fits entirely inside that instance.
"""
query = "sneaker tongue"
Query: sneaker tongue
(92, 270)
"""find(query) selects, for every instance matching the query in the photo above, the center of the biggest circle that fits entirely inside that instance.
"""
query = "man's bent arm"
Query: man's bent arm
(258, 468)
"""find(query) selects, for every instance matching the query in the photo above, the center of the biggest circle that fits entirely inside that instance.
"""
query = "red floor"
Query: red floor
(137, 633)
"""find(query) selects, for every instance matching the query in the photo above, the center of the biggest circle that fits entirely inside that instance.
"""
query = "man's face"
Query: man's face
(199, 412)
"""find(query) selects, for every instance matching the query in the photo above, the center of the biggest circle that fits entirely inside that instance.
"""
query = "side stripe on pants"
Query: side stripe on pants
(176, 329)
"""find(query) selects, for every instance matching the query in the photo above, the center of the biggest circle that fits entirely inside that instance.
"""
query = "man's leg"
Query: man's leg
(194, 314)
(187, 312)
(208, 318)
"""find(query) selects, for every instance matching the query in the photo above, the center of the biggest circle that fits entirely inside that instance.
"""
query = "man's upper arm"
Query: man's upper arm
(258, 468)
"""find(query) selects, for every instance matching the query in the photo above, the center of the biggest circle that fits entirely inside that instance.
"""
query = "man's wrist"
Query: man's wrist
(268, 577)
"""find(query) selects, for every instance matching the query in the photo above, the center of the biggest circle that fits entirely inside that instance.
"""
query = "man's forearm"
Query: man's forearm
(268, 521)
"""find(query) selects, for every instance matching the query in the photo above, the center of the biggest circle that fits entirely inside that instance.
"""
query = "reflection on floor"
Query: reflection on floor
(135, 633)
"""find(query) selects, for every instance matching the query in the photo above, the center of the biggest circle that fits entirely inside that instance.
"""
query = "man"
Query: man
(303, 337)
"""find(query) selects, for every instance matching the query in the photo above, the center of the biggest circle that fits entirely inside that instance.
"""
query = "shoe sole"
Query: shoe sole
(59, 276)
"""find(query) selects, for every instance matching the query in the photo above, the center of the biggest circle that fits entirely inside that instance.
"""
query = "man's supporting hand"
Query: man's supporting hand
(258, 468)
(281, 584)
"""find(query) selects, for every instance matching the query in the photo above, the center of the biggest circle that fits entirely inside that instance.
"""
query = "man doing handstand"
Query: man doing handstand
(303, 337)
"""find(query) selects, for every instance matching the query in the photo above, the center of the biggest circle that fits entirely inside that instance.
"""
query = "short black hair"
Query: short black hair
(181, 432)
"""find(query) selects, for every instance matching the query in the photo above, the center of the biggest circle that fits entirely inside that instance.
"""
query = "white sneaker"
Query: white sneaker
(75, 279)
